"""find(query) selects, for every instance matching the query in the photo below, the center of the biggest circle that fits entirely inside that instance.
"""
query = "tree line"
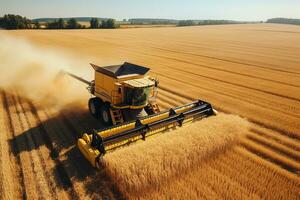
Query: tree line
(206, 22)
(10, 21)
(284, 21)
(15, 22)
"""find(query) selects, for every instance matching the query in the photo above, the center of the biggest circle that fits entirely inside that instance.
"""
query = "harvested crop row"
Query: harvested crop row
(271, 155)
(148, 166)
(258, 175)
(37, 161)
(229, 66)
(275, 146)
(88, 182)
(255, 113)
(227, 79)
(278, 137)
(28, 180)
(8, 169)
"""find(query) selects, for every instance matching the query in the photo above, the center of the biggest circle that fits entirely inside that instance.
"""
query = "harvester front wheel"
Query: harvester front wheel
(95, 107)
(105, 114)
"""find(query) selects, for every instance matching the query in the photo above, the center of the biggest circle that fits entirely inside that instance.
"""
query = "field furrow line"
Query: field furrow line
(7, 182)
(178, 99)
(230, 61)
(38, 140)
(86, 170)
(262, 101)
(278, 137)
(266, 167)
(49, 150)
(268, 154)
(29, 183)
(190, 97)
(60, 170)
(236, 96)
(231, 189)
(275, 146)
(38, 168)
(14, 146)
(171, 102)
(239, 85)
(220, 70)
(68, 168)
(253, 172)
(74, 122)
(97, 178)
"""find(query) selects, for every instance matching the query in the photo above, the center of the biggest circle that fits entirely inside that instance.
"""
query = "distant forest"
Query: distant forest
(80, 19)
(284, 21)
(18, 22)
(145, 21)
(10, 21)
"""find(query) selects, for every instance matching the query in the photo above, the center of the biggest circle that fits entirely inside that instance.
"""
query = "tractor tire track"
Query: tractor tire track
(257, 171)
(70, 166)
(230, 61)
(291, 134)
(9, 171)
(221, 70)
(281, 150)
(14, 145)
(108, 190)
(275, 146)
(278, 137)
(234, 96)
(29, 182)
(234, 84)
(38, 163)
(267, 154)
(62, 176)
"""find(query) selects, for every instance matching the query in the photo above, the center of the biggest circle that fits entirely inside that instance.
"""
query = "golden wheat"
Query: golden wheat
(147, 166)
(238, 68)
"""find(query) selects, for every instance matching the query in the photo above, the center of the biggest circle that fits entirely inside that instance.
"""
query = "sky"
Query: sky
(245, 10)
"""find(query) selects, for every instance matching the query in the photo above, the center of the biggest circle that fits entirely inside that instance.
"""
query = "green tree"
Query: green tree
(37, 25)
(109, 24)
(61, 24)
(52, 25)
(186, 23)
(72, 24)
(284, 21)
(15, 22)
(94, 23)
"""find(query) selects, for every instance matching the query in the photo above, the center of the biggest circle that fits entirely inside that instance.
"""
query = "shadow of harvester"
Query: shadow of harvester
(53, 137)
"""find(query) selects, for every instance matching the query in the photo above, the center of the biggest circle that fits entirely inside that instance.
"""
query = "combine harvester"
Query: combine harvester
(124, 98)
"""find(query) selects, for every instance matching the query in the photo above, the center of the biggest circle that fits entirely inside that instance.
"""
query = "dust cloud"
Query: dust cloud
(34, 72)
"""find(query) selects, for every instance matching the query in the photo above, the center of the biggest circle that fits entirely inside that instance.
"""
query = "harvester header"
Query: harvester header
(124, 98)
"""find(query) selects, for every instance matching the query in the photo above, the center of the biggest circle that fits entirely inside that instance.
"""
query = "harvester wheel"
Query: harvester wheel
(95, 107)
(105, 114)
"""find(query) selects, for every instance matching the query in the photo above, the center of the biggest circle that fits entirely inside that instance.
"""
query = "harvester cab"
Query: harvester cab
(122, 93)
(124, 98)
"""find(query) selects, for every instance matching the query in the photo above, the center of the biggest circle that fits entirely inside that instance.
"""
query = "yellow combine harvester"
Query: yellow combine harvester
(125, 100)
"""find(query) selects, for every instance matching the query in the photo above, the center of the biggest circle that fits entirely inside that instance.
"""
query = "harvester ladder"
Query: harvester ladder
(116, 116)
(155, 108)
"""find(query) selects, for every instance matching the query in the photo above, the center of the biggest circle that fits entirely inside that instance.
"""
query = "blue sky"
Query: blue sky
(175, 9)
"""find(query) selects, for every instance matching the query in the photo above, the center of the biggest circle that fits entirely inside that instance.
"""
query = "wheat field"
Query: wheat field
(250, 74)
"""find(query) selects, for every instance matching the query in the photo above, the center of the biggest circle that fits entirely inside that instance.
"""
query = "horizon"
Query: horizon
(178, 10)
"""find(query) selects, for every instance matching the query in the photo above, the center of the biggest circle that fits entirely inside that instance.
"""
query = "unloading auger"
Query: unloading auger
(124, 98)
